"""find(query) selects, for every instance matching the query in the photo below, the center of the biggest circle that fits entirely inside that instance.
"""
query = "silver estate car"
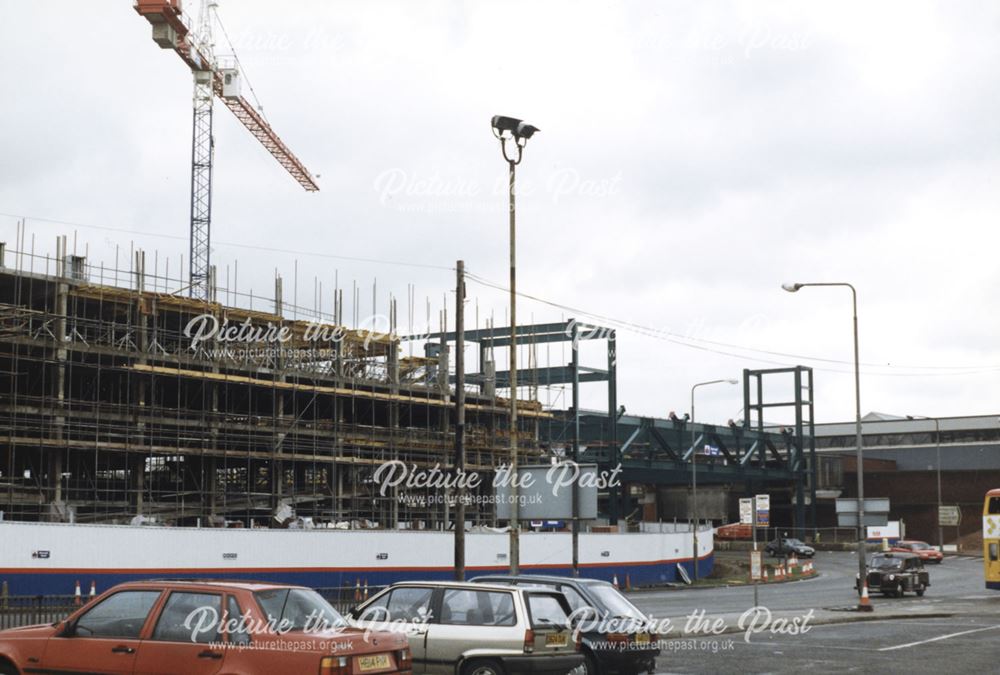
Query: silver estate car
(476, 629)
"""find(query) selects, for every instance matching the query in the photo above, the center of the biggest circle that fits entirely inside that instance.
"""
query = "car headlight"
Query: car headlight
(857, 575)
(892, 577)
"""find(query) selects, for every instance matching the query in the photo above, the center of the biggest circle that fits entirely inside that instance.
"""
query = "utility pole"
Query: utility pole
(460, 421)
(576, 449)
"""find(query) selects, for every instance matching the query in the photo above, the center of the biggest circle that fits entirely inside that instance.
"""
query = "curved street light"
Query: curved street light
(694, 477)
(862, 567)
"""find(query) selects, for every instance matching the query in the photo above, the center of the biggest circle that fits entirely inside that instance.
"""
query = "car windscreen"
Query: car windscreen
(918, 546)
(794, 542)
(289, 609)
(546, 611)
(612, 602)
(887, 563)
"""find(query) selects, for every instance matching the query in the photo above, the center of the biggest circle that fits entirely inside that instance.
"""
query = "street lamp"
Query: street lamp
(510, 129)
(862, 567)
(937, 438)
(694, 478)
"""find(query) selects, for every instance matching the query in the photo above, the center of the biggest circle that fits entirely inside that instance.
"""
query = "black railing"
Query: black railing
(25, 610)
(343, 598)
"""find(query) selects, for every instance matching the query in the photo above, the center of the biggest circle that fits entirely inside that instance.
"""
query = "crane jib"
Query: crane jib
(170, 31)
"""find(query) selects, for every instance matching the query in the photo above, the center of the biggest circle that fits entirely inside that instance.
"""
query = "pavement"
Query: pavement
(807, 625)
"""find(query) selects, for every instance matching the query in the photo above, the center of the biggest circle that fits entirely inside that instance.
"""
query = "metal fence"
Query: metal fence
(343, 598)
(25, 610)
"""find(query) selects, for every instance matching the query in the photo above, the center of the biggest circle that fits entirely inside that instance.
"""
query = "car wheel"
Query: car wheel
(899, 591)
(7, 669)
(590, 663)
(920, 592)
(482, 667)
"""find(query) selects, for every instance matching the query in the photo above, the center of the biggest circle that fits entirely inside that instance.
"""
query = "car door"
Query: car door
(407, 608)
(471, 619)
(186, 636)
(105, 639)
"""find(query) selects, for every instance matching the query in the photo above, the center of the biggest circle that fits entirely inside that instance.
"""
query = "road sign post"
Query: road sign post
(949, 516)
(760, 507)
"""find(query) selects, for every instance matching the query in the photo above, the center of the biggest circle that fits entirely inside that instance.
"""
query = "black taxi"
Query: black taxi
(896, 573)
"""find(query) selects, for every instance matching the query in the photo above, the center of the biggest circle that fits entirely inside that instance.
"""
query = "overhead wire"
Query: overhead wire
(713, 346)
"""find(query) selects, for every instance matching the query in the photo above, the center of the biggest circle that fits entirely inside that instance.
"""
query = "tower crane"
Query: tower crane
(173, 29)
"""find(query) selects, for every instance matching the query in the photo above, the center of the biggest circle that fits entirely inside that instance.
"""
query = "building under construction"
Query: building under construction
(120, 400)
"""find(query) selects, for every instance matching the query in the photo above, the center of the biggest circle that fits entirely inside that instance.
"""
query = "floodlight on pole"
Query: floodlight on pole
(512, 129)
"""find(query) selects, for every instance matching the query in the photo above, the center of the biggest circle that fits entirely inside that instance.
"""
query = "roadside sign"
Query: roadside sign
(949, 516)
(756, 565)
(746, 511)
(876, 512)
(763, 510)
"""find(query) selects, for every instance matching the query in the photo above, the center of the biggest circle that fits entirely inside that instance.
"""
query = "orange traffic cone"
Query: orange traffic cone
(865, 605)
(76, 595)
(93, 590)
(628, 582)
(357, 589)
(366, 589)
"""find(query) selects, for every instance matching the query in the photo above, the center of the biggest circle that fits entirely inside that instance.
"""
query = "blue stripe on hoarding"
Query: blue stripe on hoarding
(63, 583)
(993, 585)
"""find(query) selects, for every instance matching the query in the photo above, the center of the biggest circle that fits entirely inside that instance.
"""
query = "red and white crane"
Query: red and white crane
(172, 29)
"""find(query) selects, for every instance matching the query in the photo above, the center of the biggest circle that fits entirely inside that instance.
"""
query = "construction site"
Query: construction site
(134, 393)
(111, 411)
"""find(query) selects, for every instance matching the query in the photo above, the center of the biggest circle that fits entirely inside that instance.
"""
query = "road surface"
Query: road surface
(954, 628)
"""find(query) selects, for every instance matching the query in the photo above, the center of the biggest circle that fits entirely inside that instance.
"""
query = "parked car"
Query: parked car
(477, 629)
(783, 546)
(202, 628)
(604, 651)
(926, 552)
(895, 573)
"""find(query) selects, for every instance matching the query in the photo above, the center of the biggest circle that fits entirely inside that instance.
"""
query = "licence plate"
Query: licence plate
(555, 640)
(642, 639)
(375, 662)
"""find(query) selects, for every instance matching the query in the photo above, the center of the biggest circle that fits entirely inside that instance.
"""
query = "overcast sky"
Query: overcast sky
(692, 157)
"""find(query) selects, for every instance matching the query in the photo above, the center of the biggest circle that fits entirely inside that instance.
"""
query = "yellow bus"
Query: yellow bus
(991, 539)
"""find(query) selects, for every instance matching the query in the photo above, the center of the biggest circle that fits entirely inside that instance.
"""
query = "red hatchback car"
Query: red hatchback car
(926, 552)
(204, 628)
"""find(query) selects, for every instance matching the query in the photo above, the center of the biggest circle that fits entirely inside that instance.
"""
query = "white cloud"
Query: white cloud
(705, 153)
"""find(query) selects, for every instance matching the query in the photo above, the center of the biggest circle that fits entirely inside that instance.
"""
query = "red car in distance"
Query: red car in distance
(926, 552)
(193, 627)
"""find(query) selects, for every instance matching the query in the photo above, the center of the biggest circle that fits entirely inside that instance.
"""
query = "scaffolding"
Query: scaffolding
(120, 398)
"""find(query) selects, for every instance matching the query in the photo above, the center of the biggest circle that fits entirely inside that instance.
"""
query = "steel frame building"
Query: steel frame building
(108, 410)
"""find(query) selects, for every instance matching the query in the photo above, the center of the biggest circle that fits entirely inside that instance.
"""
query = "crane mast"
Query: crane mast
(202, 155)
(196, 47)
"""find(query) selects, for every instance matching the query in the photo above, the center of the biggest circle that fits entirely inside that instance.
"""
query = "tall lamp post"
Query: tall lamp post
(513, 132)
(694, 478)
(862, 567)
(937, 439)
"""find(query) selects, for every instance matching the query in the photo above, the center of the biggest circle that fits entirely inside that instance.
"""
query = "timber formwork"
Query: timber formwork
(108, 411)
